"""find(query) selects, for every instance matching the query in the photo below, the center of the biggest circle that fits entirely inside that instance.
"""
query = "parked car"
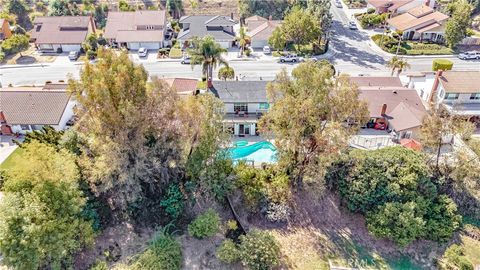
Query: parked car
(338, 4)
(290, 58)
(73, 55)
(469, 55)
(266, 50)
(352, 25)
(185, 60)
(142, 52)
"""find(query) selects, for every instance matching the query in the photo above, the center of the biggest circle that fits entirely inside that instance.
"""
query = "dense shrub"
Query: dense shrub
(262, 185)
(228, 252)
(395, 191)
(15, 44)
(173, 203)
(454, 258)
(442, 64)
(401, 222)
(259, 250)
(164, 253)
(373, 19)
(205, 225)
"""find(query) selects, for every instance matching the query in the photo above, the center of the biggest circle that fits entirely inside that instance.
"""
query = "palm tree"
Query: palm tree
(208, 53)
(398, 64)
(242, 39)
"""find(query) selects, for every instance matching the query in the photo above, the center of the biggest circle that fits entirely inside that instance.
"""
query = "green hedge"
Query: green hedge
(442, 64)
(175, 53)
(205, 225)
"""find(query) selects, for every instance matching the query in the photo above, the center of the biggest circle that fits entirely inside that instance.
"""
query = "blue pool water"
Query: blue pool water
(258, 152)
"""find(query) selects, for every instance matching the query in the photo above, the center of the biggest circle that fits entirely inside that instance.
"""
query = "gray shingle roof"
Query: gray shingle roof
(240, 91)
(33, 105)
(198, 27)
(61, 29)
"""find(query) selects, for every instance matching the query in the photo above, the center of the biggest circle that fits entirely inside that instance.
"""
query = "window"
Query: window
(475, 96)
(263, 106)
(25, 127)
(451, 96)
(240, 107)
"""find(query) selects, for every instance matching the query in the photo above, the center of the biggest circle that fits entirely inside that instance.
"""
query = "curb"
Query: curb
(23, 66)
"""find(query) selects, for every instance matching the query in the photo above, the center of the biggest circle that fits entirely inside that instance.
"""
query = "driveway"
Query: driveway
(7, 146)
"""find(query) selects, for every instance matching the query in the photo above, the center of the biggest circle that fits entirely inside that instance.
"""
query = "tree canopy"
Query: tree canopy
(456, 26)
(40, 214)
(207, 53)
(393, 187)
(133, 129)
(309, 116)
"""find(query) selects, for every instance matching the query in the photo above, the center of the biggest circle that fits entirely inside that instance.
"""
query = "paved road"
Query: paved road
(351, 52)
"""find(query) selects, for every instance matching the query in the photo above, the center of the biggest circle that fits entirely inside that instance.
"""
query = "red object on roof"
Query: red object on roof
(411, 144)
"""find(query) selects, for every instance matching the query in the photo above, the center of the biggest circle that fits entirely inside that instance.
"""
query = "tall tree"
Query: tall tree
(456, 26)
(243, 39)
(40, 215)
(134, 133)
(277, 39)
(175, 8)
(309, 118)
(205, 163)
(208, 53)
(20, 10)
(321, 10)
(301, 27)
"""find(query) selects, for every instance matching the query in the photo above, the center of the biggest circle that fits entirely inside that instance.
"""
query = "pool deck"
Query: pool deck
(250, 139)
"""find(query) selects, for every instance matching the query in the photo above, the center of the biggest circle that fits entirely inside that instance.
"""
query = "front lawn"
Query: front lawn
(390, 44)
(10, 162)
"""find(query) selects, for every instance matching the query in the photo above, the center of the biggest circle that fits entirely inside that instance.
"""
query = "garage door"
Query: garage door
(70, 47)
(259, 44)
(150, 45)
(224, 44)
(133, 45)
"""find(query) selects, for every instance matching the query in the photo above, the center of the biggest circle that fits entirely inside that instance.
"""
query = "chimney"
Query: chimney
(436, 82)
(384, 109)
(270, 17)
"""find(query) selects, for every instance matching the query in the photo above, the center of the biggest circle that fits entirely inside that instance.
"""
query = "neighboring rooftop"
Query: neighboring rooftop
(183, 86)
(391, 5)
(263, 31)
(202, 25)
(61, 29)
(376, 81)
(404, 107)
(136, 26)
(421, 17)
(34, 105)
(240, 91)
(461, 81)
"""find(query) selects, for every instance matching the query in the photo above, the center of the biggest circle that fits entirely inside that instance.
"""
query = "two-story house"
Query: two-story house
(245, 102)
(137, 29)
(61, 33)
(219, 27)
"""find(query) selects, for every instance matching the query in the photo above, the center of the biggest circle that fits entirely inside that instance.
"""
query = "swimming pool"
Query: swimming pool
(260, 152)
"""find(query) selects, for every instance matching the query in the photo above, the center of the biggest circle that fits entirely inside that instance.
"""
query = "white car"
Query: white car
(142, 52)
(469, 55)
(290, 58)
(267, 50)
(186, 60)
(338, 4)
(352, 25)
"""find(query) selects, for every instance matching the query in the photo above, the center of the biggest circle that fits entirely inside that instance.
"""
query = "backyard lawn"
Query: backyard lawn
(10, 161)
